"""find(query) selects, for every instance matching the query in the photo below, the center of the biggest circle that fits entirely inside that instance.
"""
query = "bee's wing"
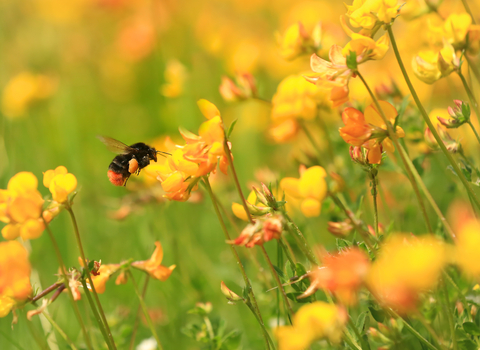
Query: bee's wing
(115, 146)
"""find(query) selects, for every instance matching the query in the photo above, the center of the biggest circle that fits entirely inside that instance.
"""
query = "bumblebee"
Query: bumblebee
(130, 159)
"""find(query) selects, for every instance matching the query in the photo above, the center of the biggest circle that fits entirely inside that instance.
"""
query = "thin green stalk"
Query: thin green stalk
(328, 138)
(394, 139)
(248, 285)
(355, 330)
(467, 8)
(430, 330)
(374, 178)
(471, 97)
(428, 121)
(473, 67)
(350, 341)
(365, 235)
(145, 310)
(46, 291)
(268, 339)
(460, 294)
(59, 330)
(41, 344)
(429, 197)
(451, 323)
(70, 294)
(279, 283)
(85, 264)
(95, 313)
(413, 331)
(287, 253)
(137, 317)
(234, 173)
(301, 241)
(314, 144)
(474, 131)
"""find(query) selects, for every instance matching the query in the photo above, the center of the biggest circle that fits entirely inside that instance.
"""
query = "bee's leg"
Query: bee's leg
(125, 183)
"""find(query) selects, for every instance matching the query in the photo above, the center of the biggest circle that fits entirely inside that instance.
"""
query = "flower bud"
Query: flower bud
(260, 196)
(231, 296)
(272, 228)
(340, 229)
(358, 155)
(338, 183)
(460, 115)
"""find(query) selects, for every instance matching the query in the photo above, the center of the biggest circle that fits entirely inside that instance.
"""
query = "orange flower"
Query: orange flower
(102, 276)
(244, 87)
(14, 271)
(342, 274)
(21, 207)
(311, 188)
(60, 183)
(261, 231)
(356, 130)
(154, 266)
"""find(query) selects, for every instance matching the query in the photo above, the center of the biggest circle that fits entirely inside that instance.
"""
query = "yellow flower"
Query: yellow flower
(467, 246)
(21, 207)
(431, 65)
(22, 91)
(238, 209)
(175, 76)
(6, 305)
(154, 266)
(405, 267)
(311, 188)
(103, 275)
(60, 183)
(14, 271)
(366, 13)
(456, 28)
(317, 320)
(296, 41)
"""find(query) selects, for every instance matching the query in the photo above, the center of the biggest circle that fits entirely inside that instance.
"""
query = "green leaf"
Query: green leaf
(361, 321)
(471, 328)
(417, 163)
(401, 110)
(301, 270)
(352, 60)
(279, 272)
(230, 129)
(466, 344)
(343, 244)
(293, 296)
(378, 315)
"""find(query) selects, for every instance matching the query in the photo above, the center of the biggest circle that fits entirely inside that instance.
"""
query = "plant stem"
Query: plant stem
(350, 340)
(374, 180)
(145, 310)
(473, 67)
(467, 8)
(111, 341)
(314, 144)
(471, 97)
(268, 340)
(59, 330)
(137, 317)
(95, 313)
(451, 323)
(287, 253)
(413, 331)
(355, 330)
(365, 235)
(301, 241)
(279, 283)
(70, 294)
(41, 343)
(460, 294)
(46, 291)
(394, 139)
(474, 131)
(429, 328)
(428, 121)
(228, 152)
(248, 285)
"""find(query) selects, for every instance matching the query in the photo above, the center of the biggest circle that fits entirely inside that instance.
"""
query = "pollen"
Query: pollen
(116, 178)
(132, 166)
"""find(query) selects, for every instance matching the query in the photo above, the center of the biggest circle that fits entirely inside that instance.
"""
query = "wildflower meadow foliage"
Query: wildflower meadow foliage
(316, 184)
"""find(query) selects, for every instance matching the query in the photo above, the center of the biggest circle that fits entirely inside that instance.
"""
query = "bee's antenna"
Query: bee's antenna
(164, 153)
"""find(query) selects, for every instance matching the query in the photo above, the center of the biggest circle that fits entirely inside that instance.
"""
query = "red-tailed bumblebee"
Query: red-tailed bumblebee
(130, 159)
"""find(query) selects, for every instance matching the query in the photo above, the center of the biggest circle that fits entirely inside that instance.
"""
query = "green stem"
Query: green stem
(70, 294)
(430, 199)
(355, 330)
(95, 313)
(287, 253)
(428, 121)
(365, 235)
(41, 343)
(248, 285)
(429, 328)
(374, 178)
(268, 339)
(350, 341)
(413, 331)
(111, 341)
(460, 294)
(312, 141)
(474, 131)
(451, 323)
(59, 330)
(471, 97)
(145, 310)
(137, 317)
(228, 152)
(46, 291)
(473, 67)
(394, 139)
(279, 283)
(301, 241)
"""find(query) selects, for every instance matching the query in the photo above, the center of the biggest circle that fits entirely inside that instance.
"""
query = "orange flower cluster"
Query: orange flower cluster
(342, 274)
(14, 275)
(200, 155)
(261, 231)
(154, 266)
(21, 207)
(369, 130)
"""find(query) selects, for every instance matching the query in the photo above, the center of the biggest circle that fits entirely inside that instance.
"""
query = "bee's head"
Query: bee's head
(152, 153)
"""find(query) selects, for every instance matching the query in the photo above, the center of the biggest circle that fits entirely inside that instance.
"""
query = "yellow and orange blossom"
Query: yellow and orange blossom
(314, 321)
(154, 266)
(21, 207)
(467, 245)
(60, 183)
(310, 188)
(14, 275)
